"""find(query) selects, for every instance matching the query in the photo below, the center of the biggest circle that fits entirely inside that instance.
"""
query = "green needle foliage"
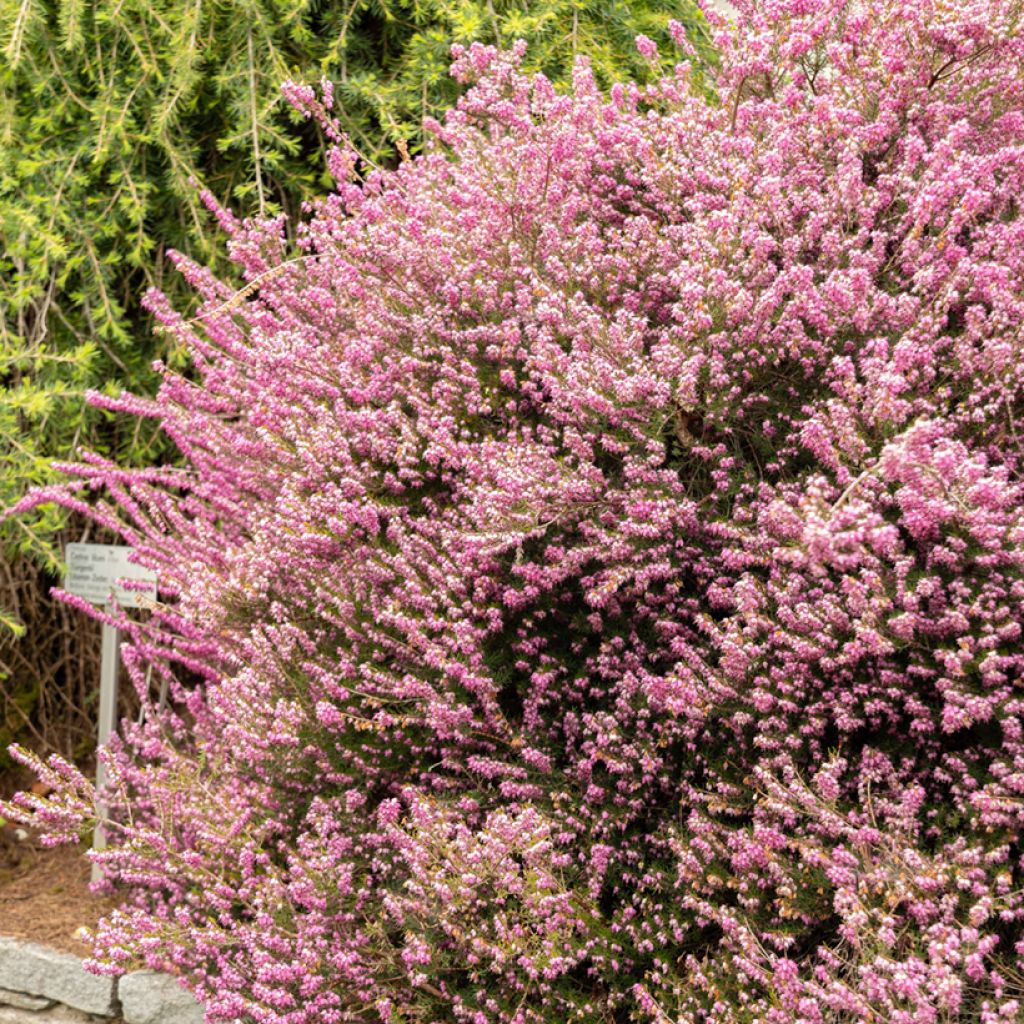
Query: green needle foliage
(112, 111)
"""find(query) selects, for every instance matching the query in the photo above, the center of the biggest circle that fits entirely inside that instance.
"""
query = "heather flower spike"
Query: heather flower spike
(595, 587)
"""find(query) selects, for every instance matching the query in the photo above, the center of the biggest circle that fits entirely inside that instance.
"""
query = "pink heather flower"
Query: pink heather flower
(647, 48)
(594, 580)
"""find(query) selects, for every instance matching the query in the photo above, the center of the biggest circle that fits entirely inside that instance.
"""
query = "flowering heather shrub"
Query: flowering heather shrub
(595, 589)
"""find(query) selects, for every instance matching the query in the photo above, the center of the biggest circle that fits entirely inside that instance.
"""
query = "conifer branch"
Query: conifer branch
(257, 163)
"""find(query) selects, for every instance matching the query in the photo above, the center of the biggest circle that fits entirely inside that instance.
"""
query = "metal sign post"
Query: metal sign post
(94, 572)
(106, 719)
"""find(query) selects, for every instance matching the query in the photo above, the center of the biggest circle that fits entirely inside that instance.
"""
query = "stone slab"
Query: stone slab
(39, 971)
(23, 1001)
(55, 1015)
(150, 998)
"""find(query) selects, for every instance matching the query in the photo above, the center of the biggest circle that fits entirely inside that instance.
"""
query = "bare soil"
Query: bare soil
(44, 893)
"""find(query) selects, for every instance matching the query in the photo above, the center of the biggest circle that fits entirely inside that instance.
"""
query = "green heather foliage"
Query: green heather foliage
(111, 112)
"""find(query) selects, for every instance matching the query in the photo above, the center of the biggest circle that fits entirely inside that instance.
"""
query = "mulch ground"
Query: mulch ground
(44, 893)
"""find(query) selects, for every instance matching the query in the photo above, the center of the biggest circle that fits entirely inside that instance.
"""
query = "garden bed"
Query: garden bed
(45, 903)
(44, 894)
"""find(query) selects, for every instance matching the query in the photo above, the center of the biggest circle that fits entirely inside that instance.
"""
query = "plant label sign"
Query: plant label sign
(94, 571)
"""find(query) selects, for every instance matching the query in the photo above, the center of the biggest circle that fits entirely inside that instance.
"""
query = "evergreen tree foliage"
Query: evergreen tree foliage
(112, 112)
